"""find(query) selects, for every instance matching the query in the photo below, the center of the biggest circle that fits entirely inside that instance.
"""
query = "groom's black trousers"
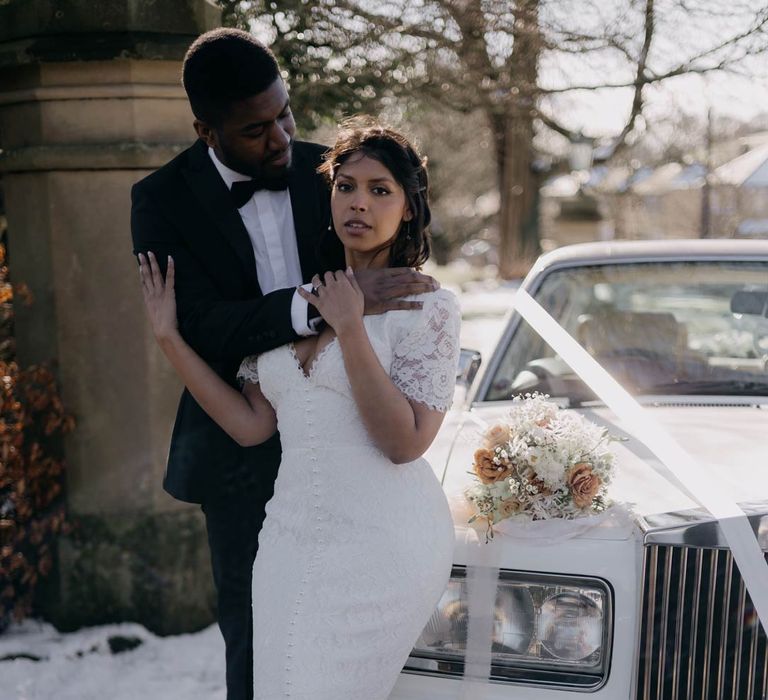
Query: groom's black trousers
(234, 513)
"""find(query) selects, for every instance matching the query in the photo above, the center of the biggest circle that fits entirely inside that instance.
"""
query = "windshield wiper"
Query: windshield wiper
(726, 387)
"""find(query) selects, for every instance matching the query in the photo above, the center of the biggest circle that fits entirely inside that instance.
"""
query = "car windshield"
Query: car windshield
(665, 328)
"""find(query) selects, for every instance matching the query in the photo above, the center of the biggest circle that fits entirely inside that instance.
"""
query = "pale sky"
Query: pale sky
(602, 113)
(682, 31)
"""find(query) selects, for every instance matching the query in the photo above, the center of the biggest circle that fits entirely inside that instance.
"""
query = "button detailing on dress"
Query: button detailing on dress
(312, 443)
(332, 600)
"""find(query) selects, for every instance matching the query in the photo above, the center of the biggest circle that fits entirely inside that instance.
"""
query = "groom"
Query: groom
(246, 218)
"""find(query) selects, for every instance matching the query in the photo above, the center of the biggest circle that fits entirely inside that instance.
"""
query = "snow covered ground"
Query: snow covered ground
(127, 662)
(82, 666)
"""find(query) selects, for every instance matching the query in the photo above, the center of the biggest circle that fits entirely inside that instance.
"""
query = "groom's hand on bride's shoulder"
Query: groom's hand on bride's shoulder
(384, 290)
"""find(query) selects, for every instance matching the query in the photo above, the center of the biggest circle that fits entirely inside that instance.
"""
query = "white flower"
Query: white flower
(550, 469)
(544, 443)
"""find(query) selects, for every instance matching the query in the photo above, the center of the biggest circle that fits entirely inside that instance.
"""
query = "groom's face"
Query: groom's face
(255, 135)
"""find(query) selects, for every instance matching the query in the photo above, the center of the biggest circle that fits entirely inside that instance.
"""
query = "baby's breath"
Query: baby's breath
(559, 461)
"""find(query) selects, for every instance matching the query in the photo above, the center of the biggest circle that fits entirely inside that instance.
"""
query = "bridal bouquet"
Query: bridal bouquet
(543, 462)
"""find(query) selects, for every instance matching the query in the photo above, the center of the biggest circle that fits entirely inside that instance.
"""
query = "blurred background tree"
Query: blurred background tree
(334, 64)
(516, 63)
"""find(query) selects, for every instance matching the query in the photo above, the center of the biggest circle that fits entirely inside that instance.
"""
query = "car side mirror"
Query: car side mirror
(750, 302)
(469, 363)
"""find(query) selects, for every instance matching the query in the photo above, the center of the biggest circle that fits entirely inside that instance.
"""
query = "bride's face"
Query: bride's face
(368, 206)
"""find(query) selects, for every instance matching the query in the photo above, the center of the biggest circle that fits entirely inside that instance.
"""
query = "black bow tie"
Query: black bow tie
(243, 190)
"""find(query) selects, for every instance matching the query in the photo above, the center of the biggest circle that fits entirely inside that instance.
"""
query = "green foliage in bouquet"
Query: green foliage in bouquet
(32, 423)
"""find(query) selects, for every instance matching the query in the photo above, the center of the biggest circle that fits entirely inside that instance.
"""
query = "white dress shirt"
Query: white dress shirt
(268, 219)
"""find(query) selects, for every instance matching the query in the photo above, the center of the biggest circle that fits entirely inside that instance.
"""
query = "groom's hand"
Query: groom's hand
(384, 289)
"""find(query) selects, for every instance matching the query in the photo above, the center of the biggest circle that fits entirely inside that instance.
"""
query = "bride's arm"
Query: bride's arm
(248, 418)
(400, 428)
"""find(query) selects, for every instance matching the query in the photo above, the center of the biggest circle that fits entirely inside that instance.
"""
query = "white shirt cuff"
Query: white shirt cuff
(299, 310)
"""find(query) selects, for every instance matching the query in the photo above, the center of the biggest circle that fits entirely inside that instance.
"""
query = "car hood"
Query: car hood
(729, 442)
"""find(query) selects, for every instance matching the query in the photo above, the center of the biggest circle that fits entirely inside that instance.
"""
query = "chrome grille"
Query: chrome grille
(700, 636)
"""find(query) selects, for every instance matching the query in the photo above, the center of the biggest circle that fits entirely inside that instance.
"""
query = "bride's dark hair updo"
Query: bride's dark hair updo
(411, 247)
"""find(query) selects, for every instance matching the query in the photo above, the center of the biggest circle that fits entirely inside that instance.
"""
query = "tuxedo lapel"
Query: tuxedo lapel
(213, 195)
(307, 210)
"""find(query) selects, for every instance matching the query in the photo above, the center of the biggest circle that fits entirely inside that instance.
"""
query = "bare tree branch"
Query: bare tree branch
(689, 63)
(550, 123)
(637, 99)
(469, 55)
(388, 25)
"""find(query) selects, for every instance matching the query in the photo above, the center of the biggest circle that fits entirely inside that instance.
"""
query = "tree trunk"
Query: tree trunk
(518, 225)
(518, 215)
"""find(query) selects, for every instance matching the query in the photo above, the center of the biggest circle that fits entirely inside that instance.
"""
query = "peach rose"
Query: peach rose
(583, 483)
(508, 508)
(496, 436)
(486, 470)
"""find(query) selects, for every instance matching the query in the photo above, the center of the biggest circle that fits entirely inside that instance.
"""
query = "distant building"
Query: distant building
(740, 194)
(667, 201)
(570, 213)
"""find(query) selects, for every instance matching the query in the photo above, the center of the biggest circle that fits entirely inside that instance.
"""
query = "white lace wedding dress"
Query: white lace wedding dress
(355, 551)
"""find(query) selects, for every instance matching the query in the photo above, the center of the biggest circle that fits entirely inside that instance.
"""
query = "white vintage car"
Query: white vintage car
(654, 608)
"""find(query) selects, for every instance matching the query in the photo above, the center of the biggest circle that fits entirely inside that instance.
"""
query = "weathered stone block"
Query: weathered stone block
(147, 568)
(90, 102)
(77, 30)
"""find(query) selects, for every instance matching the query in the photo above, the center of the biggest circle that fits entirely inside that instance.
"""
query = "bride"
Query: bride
(357, 544)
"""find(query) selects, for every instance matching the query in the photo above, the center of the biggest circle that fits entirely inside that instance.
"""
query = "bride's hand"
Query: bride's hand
(339, 300)
(159, 296)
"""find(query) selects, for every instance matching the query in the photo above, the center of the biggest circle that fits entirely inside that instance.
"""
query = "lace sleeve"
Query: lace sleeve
(248, 371)
(424, 362)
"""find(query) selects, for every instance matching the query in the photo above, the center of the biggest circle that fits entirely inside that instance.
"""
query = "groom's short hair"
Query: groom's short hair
(223, 66)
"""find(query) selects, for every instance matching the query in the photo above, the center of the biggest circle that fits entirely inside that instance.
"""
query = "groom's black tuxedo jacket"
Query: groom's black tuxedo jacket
(184, 209)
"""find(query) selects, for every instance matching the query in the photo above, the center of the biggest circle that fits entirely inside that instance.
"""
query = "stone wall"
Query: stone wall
(90, 102)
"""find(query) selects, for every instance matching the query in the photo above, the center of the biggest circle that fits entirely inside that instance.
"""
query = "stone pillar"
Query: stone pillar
(90, 102)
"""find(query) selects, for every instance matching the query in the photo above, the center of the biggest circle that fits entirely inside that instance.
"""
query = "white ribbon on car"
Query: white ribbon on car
(677, 462)
(482, 580)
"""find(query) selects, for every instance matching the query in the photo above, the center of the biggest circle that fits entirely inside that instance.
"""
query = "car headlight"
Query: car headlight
(548, 630)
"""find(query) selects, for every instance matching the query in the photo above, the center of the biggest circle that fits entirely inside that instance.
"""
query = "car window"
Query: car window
(667, 328)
